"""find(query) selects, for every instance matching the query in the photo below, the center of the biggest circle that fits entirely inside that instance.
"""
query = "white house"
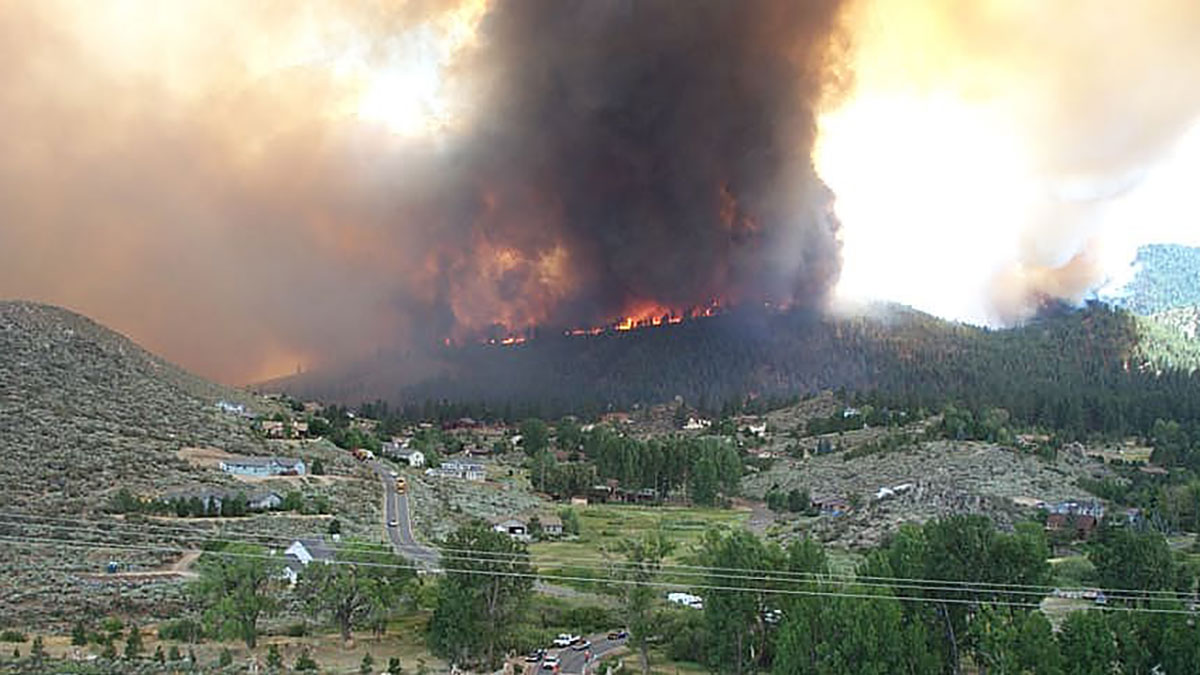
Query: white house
(696, 424)
(301, 554)
(458, 469)
(263, 466)
(551, 525)
(513, 527)
(414, 457)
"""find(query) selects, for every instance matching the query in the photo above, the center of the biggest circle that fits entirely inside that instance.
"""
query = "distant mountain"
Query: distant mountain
(771, 357)
(1167, 277)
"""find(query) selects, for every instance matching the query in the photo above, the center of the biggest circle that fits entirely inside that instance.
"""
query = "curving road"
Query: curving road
(572, 662)
(395, 508)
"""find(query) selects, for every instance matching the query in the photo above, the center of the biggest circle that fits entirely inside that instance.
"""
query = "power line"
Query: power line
(782, 576)
(765, 576)
(47, 541)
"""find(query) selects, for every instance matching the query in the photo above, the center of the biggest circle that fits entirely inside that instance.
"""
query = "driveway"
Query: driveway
(395, 508)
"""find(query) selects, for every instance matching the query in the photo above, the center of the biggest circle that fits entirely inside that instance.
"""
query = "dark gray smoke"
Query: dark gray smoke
(198, 176)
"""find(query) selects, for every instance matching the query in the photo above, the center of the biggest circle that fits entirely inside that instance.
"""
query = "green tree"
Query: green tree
(394, 667)
(643, 562)
(318, 467)
(37, 651)
(798, 501)
(735, 614)
(367, 665)
(236, 589)
(109, 652)
(1087, 644)
(535, 436)
(133, 643)
(173, 653)
(1128, 559)
(1014, 641)
(570, 521)
(361, 577)
(159, 655)
(335, 527)
(478, 602)
(274, 658)
(225, 659)
(79, 636)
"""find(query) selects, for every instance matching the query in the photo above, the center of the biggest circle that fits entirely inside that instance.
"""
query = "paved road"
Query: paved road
(395, 508)
(572, 661)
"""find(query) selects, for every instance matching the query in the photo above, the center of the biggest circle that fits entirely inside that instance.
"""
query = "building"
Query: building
(302, 553)
(514, 527)
(231, 407)
(272, 428)
(458, 469)
(552, 526)
(1079, 526)
(263, 466)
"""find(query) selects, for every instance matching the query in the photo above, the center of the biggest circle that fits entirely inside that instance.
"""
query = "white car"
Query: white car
(565, 640)
(550, 663)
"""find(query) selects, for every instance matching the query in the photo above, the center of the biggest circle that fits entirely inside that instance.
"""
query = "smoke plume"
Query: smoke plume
(248, 187)
(991, 154)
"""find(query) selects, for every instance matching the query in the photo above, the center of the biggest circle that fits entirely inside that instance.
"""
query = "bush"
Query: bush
(13, 636)
(182, 630)
(296, 629)
(305, 662)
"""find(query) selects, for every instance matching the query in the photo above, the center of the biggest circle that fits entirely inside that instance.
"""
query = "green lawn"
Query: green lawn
(604, 527)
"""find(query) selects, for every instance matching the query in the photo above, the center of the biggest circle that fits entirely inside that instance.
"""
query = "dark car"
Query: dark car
(535, 656)
(618, 634)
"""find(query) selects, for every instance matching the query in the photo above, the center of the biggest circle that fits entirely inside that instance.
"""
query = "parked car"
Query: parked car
(582, 646)
(550, 663)
(618, 634)
(535, 656)
(393, 522)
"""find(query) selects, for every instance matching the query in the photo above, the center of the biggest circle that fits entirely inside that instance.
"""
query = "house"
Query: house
(458, 469)
(302, 553)
(299, 429)
(551, 525)
(263, 466)
(579, 501)
(414, 458)
(272, 428)
(514, 527)
(1078, 525)
(757, 430)
(696, 424)
(830, 506)
(686, 599)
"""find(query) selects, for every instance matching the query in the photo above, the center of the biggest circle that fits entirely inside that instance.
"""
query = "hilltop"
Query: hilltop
(770, 358)
(1167, 278)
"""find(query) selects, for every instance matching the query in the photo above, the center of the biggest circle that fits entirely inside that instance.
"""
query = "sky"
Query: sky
(252, 188)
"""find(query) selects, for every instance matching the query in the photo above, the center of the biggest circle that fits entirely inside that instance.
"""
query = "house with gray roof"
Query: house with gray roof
(263, 466)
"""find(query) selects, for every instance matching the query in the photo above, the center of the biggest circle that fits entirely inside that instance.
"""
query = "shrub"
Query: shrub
(182, 630)
(296, 629)
(13, 636)
(305, 662)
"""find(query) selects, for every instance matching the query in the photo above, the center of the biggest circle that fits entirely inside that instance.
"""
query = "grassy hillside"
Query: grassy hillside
(85, 412)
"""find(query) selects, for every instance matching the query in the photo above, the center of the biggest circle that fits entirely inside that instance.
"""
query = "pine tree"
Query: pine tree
(274, 660)
(394, 667)
(173, 653)
(38, 650)
(110, 649)
(159, 656)
(226, 658)
(368, 664)
(133, 643)
(79, 634)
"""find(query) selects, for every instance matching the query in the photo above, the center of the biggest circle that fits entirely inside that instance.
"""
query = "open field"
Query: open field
(603, 527)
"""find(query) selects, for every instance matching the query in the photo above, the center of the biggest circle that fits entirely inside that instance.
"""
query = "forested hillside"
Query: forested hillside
(1095, 368)
(1167, 278)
